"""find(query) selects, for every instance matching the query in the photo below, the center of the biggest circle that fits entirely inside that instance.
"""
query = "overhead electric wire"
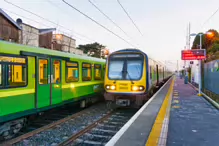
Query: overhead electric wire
(49, 1)
(211, 16)
(49, 20)
(42, 24)
(97, 22)
(130, 17)
(108, 18)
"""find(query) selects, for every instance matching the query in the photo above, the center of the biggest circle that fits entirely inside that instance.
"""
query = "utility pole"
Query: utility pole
(177, 67)
(189, 49)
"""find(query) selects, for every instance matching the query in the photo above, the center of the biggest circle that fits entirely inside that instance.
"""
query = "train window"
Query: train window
(86, 72)
(56, 71)
(43, 71)
(15, 71)
(97, 72)
(72, 72)
(16, 75)
(0, 75)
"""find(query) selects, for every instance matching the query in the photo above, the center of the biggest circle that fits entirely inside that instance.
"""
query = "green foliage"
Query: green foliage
(210, 43)
(93, 50)
(196, 42)
(214, 48)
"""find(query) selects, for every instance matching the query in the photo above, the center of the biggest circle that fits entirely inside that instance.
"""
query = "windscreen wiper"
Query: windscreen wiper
(130, 77)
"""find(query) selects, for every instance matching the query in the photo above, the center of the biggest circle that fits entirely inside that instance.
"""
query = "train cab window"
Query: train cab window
(0, 75)
(72, 72)
(86, 72)
(97, 72)
(15, 71)
(43, 71)
(56, 72)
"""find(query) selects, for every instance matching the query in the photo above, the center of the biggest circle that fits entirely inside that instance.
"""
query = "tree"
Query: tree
(207, 39)
(196, 42)
(93, 50)
(211, 38)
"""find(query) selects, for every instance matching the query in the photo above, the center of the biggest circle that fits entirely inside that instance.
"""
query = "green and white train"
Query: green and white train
(34, 79)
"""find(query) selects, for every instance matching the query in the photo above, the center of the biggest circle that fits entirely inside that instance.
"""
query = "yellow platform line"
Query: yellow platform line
(155, 134)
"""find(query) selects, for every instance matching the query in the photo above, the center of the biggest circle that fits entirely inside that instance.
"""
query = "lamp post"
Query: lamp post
(200, 35)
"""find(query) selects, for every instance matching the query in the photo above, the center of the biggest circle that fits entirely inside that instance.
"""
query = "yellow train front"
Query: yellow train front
(131, 76)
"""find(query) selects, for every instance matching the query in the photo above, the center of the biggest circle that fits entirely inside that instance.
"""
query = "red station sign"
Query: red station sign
(195, 54)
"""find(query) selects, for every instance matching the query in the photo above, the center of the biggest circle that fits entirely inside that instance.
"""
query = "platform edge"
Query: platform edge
(117, 136)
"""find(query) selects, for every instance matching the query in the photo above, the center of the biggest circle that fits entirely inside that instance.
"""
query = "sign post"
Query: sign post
(196, 54)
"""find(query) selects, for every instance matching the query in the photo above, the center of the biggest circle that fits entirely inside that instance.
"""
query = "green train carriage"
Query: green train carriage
(36, 79)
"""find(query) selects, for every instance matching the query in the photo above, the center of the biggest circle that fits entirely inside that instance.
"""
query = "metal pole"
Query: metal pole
(199, 87)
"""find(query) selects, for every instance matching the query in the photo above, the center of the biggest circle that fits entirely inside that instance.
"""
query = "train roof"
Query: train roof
(14, 48)
(137, 50)
(129, 50)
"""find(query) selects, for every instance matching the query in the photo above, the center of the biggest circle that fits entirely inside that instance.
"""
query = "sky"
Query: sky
(163, 23)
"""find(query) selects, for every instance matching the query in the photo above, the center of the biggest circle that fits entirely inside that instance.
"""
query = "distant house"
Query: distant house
(9, 29)
(26, 34)
(30, 35)
(45, 37)
(64, 43)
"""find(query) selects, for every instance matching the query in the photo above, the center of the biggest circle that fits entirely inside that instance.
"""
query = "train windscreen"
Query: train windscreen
(125, 66)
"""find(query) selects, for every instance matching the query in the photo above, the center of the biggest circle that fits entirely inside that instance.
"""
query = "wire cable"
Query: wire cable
(210, 16)
(49, 20)
(83, 39)
(108, 18)
(130, 17)
(97, 22)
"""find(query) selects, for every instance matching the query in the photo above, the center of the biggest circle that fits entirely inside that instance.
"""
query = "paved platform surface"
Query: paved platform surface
(193, 120)
(138, 128)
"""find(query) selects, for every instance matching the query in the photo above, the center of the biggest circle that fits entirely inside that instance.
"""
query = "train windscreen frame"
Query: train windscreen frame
(125, 66)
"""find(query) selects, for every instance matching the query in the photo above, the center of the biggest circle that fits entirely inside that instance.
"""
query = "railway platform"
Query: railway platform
(174, 116)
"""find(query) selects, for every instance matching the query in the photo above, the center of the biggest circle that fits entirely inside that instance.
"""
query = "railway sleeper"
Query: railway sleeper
(97, 135)
(90, 142)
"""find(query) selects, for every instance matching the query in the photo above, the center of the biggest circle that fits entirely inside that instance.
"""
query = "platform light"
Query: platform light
(210, 34)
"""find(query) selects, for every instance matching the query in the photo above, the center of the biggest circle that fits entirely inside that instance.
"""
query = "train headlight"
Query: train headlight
(110, 87)
(137, 88)
(113, 87)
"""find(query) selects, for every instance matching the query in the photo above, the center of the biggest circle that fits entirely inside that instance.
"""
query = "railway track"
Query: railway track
(47, 134)
(102, 130)
(93, 126)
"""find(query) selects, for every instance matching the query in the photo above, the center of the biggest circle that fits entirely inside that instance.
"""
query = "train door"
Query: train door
(56, 86)
(43, 94)
(48, 82)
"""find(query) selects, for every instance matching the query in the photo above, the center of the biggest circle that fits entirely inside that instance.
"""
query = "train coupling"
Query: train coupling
(123, 102)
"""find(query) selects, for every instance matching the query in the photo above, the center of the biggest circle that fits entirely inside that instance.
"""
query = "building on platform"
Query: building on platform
(9, 29)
